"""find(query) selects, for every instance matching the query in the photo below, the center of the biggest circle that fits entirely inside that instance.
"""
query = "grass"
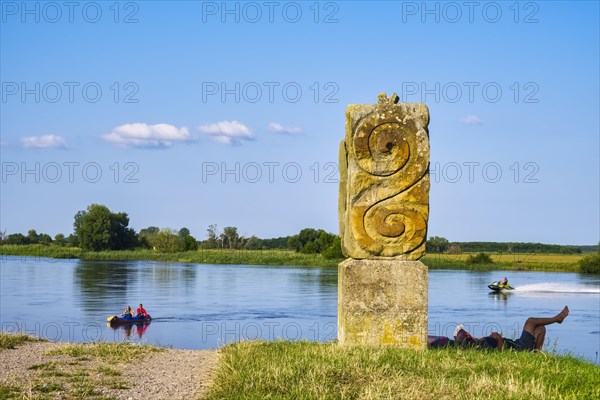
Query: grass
(11, 340)
(503, 261)
(506, 261)
(304, 370)
(39, 250)
(215, 256)
(109, 352)
(78, 371)
(202, 256)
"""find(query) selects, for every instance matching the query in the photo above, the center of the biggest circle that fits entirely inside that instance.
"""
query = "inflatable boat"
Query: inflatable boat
(115, 320)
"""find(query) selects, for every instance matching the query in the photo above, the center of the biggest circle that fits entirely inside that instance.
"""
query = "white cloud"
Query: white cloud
(278, 128)
(471, 120)
(227, 132)
(44, 142)
(147, 136)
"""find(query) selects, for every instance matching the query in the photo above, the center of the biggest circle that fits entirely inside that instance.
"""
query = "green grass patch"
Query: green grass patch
(108, 371)
(10, 392)
(304, 370)
(51, 369)
(48, 387)
(110, 352)
(40, 250)
(201, 256)
(506, 261)
(251, 257)
(499, 261)
(11, 340)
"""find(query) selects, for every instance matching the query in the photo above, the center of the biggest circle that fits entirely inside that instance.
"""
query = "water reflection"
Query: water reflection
(107, 286)
(499, 295)
(97, 282)
(127, 329)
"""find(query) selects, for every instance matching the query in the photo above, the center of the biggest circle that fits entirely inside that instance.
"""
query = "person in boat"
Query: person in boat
(141, 312)
(532, 337)
(504, 282)
(128, 314)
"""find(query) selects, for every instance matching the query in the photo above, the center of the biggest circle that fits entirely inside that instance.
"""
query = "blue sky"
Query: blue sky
(197, 113)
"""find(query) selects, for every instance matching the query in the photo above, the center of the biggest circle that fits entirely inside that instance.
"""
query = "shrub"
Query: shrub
(334, 250)
(590, 264)
(479, 258)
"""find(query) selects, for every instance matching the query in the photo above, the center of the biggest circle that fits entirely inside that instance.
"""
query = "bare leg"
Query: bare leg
(539, 334)
(532, 323)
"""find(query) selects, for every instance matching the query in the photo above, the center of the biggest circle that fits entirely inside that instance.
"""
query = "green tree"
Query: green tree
(304, 241)
(44, 238)
(92, 228)
(151, 230)
(309, 248)
(212, 242)
(324, 241)
(294, 243)
(99, 229)
(437, 244)
(189, 243)
(122, 237)
(252, 243)
(32, 236)
(146, 234)
(183, 232)
(60, 239)
(230, 237)
(166, 241)
(16, 238)
(310, 241)
(72, 240)
(334, 250)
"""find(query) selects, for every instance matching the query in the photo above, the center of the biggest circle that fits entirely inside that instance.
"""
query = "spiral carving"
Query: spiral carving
(387, 183)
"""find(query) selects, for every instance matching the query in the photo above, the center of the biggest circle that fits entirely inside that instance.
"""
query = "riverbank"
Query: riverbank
(513, 261)
(42, 370)
(300, 370)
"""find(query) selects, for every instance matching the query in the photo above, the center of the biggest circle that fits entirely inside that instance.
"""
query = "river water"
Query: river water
(202, 306)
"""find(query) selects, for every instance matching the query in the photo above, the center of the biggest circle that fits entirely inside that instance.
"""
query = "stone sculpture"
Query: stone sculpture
(383, 213)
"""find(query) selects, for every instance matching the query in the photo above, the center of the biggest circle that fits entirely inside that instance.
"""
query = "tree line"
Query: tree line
(438, 244)
(97, 229)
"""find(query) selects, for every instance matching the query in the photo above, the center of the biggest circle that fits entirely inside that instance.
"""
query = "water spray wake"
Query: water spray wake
(552, 287)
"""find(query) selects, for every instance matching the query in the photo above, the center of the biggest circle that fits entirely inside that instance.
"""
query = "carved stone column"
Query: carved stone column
(383, 213)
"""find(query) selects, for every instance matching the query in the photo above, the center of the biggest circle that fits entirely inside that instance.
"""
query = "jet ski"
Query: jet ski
(499, 287)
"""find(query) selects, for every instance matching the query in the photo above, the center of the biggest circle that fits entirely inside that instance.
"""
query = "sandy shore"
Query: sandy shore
(169, 374)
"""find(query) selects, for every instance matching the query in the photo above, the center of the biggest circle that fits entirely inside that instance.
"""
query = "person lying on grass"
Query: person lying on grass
(532, 337)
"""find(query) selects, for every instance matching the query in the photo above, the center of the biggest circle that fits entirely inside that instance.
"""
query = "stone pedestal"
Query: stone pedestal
(382, 302)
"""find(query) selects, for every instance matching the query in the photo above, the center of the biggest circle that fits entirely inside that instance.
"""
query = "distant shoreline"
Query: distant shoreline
(501, 261)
